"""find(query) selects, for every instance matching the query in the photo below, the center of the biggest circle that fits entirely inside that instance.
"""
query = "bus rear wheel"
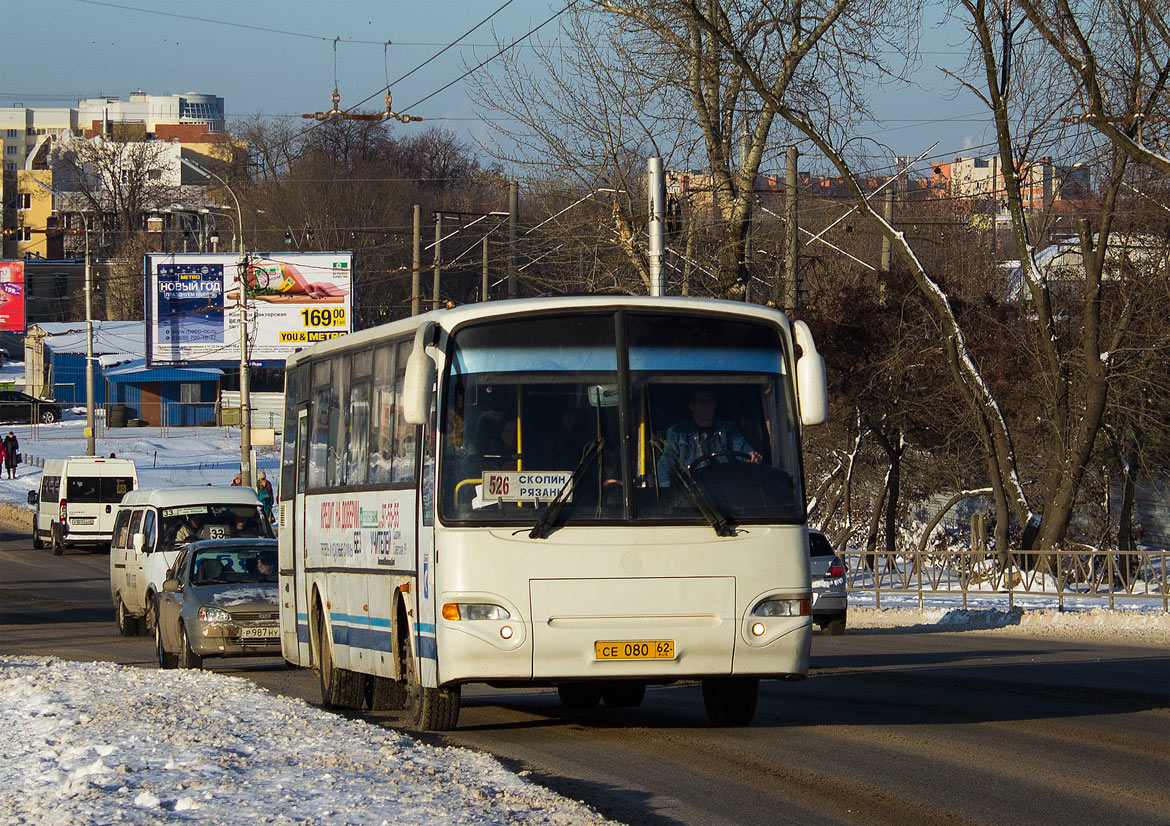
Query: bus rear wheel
(339, 688)
(731, 701)
(385, 694)
(430, 709)
(57, 540)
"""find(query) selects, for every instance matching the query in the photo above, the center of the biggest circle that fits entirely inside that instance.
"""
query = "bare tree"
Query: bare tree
(352, 184)
(120, 180)
(662, 78)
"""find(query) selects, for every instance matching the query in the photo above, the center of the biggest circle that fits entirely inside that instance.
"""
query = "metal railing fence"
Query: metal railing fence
(1107, 576)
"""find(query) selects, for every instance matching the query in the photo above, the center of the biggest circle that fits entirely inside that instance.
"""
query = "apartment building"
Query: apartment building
(184, 125)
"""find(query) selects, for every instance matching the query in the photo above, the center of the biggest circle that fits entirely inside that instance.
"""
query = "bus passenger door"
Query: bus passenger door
(296, 636)
(428, 664)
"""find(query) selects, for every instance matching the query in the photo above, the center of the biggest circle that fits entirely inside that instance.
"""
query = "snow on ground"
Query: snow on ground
(1129, 626)
(197, 747)
(103, 743)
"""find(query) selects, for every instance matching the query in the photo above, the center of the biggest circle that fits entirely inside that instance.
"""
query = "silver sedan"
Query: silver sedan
(830, 599)
(220, 599)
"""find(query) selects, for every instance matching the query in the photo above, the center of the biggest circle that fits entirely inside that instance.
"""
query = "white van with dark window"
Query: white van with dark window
(77, 498)
(151, 528)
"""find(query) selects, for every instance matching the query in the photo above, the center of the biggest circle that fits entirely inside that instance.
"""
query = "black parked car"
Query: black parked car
(21, 407)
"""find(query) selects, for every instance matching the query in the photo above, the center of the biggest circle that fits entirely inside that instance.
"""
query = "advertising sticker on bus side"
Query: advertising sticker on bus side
(523, 485)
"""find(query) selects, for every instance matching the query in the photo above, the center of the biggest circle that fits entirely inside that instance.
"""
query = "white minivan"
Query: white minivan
(77, 498)
(153, 525)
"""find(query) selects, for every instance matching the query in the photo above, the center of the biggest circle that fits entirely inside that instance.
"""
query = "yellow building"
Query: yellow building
(29, 230)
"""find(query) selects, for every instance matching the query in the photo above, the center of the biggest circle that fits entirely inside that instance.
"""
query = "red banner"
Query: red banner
(12, 296)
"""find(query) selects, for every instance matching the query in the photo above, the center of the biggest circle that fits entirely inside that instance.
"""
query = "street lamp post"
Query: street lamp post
(242, 280)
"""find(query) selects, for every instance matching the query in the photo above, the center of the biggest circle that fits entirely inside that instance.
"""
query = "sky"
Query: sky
(278, 58)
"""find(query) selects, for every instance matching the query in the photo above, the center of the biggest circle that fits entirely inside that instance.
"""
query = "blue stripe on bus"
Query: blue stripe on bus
(426, 647)
(366, 637)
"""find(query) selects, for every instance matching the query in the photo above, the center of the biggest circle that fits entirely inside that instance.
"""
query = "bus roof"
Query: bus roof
(452, 318)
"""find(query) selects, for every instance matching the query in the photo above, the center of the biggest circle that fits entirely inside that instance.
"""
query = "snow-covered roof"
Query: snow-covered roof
(125, 338)
(1063, 259)
(138, 369)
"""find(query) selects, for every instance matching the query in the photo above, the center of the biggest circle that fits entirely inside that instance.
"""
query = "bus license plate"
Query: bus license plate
(634, 650)
(259, 633)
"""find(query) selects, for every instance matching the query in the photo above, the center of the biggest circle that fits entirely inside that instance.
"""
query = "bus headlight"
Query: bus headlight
(215, 616)
(474, 611)
(783, 608)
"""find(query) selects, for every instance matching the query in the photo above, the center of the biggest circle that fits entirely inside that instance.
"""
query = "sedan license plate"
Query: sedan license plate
(259, 633)
(634, 649)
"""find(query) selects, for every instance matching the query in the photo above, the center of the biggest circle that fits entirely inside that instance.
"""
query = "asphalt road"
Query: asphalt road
(894, 727)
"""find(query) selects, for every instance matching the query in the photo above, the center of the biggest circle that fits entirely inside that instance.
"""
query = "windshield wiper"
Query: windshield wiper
(695, 491)
(543, 525)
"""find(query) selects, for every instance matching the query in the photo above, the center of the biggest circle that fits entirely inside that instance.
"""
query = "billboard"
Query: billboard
(293, 300)
(12, 296)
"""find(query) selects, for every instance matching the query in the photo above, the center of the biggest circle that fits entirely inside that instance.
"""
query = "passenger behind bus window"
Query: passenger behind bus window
(563, 445)
(701, 435)
(499, 446)
(244, 526)
(189, 530)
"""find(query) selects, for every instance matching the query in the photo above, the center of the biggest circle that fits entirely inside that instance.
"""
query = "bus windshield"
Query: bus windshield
(626, 417)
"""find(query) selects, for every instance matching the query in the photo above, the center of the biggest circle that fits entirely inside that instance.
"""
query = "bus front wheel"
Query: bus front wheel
(339, 688)
(430, 709)
(730, 701)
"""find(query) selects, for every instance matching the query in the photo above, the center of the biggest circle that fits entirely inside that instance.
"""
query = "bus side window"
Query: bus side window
(405, 434)
(383, 407)
(149, 527)
(339, 423)
(135, 522)
(121, 530)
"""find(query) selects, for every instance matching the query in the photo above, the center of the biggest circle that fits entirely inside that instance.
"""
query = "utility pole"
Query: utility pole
(791, 274)
(888, 214)
(483, 287)
(656, 183)
(90, 444)
(416, 261)
(513, 220)
(883, 278)
(438, 260)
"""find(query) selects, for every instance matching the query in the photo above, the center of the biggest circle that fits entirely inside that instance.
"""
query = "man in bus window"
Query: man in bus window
(702, 435)
(189, 530)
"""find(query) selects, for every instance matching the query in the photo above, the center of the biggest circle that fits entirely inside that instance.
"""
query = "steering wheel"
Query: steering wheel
(703, 461)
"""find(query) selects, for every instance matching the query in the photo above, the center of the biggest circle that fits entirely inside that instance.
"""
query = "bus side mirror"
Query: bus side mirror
(32, 497)
(812, 393)
(419, 380)
(137, 542)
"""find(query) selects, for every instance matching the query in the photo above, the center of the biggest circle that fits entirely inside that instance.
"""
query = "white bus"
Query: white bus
(595, 494)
